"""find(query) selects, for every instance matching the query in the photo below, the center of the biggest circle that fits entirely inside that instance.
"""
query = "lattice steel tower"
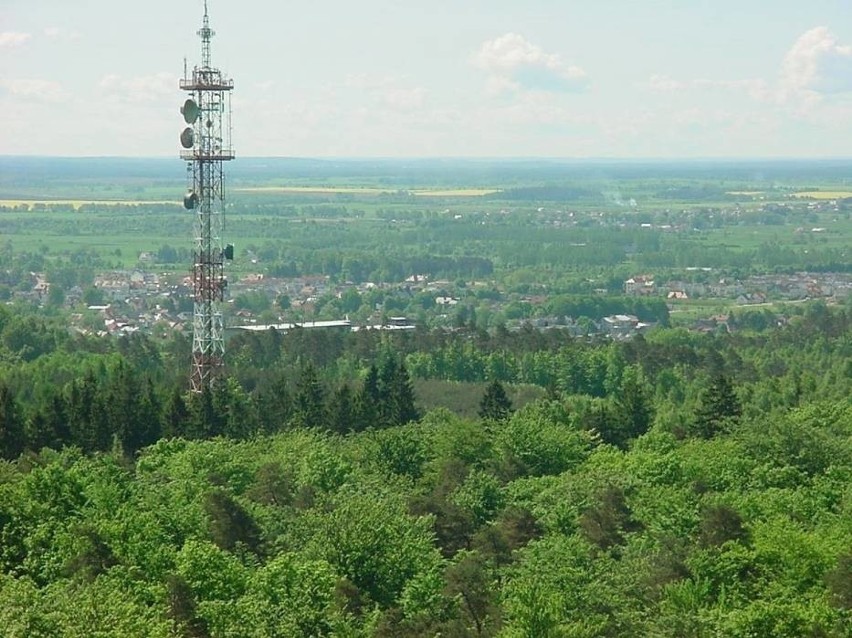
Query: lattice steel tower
(206, 143)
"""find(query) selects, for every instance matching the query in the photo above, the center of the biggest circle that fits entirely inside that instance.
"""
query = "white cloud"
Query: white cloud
(514, 63)
(369, 81)
(664, 84)
(390, 91)
(147, 88)
(34, 89)
(403, 99)
(817, 63)
(755, 88)
(13, 38)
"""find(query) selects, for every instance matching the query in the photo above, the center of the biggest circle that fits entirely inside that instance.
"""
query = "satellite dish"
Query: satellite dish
(190, 111)
(187, 139)
(190, 200)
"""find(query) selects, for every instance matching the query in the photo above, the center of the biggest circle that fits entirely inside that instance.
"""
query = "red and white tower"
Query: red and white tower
(206, 143)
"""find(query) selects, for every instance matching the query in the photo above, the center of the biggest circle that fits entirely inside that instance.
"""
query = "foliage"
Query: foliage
(674, 485)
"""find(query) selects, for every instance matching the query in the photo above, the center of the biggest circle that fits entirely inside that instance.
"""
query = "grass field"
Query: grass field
(77, 203)
(823, 194)
(357, 190)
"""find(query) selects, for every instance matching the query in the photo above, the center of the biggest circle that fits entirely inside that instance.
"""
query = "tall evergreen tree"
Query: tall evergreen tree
(719, 407)
(232, 406)
(205, 422)
(273, 405)
(396, 394)
(342, 410)
(12, 435)
(310, 407)
(495, 404)
(230, 523)
(125, 410)
(176, 416)
(367, 402)
(634, 410)
(87, 415)
(48, 426)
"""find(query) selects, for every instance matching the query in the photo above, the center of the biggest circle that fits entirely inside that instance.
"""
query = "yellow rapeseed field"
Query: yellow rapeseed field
(824, 194)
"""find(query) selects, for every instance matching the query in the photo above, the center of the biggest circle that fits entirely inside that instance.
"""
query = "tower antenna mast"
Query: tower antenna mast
(206, 146)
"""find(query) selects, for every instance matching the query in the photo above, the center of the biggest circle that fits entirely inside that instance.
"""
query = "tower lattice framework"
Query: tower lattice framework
(206, 143)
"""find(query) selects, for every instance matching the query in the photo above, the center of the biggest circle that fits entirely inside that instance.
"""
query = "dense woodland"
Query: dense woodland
(677, 484)
(462, 479)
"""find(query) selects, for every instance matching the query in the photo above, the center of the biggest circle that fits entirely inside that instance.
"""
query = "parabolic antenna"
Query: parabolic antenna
(187, 138)
(190, 111)
(190, 200)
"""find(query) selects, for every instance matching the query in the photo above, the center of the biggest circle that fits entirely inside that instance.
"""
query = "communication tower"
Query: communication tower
(206, 143)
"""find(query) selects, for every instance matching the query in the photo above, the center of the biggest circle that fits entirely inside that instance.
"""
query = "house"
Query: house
(639, 285)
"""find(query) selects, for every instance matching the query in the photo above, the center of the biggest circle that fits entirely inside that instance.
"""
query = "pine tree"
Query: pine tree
(342, 410)
(396, 394)
(230, 523)
(403, 397)
(231, 404)
(495, 404)
(273, 405)
(719, 407)
(367, 402)
(124, 409)
(87, 415)
(176, 417)
(310, 407)
(12, 435)
(634, 410)
(204, 422)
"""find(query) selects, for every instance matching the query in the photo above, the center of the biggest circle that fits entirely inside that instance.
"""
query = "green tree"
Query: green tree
(87, 414)
(396, 394)
(342, 410)
(12, 435)
(495, 404)
(718, 409)
(634, 409)
(176, 415)
(230, 524)
(310, 409)
(367, 402)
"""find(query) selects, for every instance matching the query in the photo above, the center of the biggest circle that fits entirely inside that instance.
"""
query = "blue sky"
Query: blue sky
(382, 78)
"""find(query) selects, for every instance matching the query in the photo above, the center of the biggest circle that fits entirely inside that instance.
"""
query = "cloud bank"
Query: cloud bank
(514, 63)
(817, 63)
(13, 38)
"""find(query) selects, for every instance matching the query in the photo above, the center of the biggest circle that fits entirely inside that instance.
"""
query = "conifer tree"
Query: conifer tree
(125, 411)
(396, 394)
(309, 403)
(342, 410)
(633, 409)
(176, 416)
(367, 402)
(87, 415)
(273, 405)
(12, 436)
(48, 426)
(204, 422)
(719, 407)
(495, 404)
(230, 523)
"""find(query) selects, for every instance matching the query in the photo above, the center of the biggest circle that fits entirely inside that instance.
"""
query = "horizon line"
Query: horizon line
(472, 158)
